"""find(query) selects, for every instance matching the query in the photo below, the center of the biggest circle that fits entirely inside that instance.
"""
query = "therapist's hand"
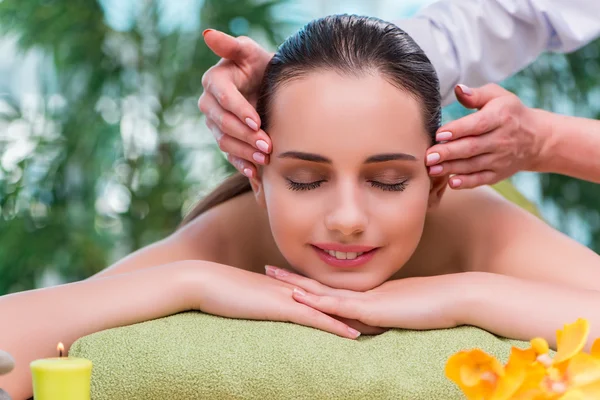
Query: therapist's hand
(489, 145)
(229, 99)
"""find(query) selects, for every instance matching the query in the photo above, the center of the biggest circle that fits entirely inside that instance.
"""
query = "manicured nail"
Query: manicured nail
(433, 158)
(259, 157)
(269, 270)
(206, 31)
(465, 89)
(436, 169)
(443, 136)
(299, 292)
(248, 172)
(456, 182)
(354, 332)
(262, 146)
(253, 125)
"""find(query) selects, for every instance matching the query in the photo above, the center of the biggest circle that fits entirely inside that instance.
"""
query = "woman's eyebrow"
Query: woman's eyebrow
(390, 157)
(305, 156)
(372, 159)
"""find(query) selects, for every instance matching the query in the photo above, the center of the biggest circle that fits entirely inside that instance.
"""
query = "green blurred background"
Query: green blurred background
(103, 149)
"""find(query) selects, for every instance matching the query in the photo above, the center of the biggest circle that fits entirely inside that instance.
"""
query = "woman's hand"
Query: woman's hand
(411, 303)
(229, 99)
(235, 293)
(490, 145)
(319, 289)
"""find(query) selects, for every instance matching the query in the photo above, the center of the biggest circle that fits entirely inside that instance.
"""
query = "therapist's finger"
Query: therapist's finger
(475, 124)
(464, 167)
(479, 97)
(473, 180)
(463, 148)
(232, 126)
(243, 166)
(226, 46)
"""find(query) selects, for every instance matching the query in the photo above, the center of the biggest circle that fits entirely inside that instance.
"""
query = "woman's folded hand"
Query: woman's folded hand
(411, 303)
(235, 293)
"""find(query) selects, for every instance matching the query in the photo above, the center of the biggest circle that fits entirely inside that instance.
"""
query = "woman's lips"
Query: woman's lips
(336, 262)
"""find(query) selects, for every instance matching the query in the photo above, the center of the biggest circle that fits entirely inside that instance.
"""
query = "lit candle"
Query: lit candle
(61, 378)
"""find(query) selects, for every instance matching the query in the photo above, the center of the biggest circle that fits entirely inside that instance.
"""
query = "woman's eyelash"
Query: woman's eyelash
(303, 186)
(396, 187)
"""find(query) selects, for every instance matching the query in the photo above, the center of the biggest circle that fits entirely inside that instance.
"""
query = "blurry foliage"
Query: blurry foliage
(108, 164)
(103, 164)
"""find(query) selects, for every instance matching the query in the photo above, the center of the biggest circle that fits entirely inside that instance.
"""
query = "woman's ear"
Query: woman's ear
(257, 188)
(438, 187)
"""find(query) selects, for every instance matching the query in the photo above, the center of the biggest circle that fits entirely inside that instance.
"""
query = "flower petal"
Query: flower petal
(583, 369)
(596, 348)
(571, 340)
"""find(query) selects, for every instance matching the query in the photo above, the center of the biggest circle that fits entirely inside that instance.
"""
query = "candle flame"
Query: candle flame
(60, 348)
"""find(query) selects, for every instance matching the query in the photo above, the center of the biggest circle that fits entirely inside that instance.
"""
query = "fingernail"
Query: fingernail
(436, 169)
(443, 136)
(259, 157)
(251, 124)
(433, 158)
(456, 182)
(281, 272)
(465, 89)
(206, 31)
(262, 146)
(269, 270)
(299, 292)
(354, 332)
(248, 172)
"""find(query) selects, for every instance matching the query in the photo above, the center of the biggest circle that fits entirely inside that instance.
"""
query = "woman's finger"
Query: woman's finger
(347, 307)
(464, 167)
(473, 180)
(308, 316)
(305, 283)
(460, 149)
(230, 125)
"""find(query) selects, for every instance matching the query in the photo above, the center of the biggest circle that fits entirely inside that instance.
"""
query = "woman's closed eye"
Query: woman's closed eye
(387, 187)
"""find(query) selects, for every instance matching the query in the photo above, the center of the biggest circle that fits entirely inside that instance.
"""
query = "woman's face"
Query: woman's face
(346, 189)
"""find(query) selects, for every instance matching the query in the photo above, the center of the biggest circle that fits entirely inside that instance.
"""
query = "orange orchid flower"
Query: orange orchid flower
(532, 374)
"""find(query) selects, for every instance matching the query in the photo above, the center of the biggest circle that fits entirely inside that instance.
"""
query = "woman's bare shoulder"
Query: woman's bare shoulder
(455, 231)
(235, 232)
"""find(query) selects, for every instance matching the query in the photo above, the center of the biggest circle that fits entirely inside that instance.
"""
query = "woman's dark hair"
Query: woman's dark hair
(346, 44)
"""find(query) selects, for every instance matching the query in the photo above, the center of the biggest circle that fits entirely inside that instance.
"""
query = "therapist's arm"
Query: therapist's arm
(475, 42)
(572, 146)
(505, 137)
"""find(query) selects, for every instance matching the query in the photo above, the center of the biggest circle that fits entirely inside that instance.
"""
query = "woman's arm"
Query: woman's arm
(524, 309)
(527, 279)
(33, 322)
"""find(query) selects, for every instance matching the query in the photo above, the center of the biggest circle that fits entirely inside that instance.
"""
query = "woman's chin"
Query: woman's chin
(355, 282)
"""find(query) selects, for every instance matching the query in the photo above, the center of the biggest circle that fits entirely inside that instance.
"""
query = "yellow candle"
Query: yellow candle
(61, 378)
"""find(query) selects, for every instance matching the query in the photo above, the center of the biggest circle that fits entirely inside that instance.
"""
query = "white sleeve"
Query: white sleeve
(480, 41)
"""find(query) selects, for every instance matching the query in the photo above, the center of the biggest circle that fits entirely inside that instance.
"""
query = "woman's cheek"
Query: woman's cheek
(292, 216)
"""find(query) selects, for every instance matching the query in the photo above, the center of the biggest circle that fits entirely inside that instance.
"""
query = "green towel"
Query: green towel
(199, 356)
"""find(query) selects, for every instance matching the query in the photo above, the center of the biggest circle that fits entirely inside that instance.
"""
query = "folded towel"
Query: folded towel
(199, 356)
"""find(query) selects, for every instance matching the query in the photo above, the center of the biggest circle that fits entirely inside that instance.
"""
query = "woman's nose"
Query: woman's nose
(348, 215)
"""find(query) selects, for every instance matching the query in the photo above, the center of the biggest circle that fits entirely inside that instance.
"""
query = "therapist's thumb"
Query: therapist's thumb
(478, 97)
(224, 45)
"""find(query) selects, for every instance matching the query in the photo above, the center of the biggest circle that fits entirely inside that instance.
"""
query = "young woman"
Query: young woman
(361, 234)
